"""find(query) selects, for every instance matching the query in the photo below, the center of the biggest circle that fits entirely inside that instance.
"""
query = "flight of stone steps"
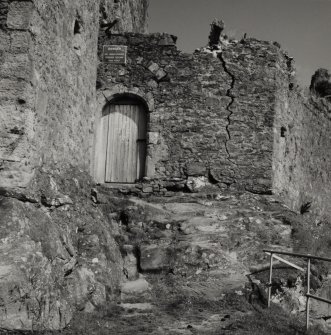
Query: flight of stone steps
(196, 247)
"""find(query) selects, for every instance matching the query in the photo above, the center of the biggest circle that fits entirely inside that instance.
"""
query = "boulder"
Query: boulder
(155, 257)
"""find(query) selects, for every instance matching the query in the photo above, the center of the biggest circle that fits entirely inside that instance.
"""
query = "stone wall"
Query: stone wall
(302, 152)
(48, 85)
(211, 113)
(47, 81)
(57, 253)
(16, 94)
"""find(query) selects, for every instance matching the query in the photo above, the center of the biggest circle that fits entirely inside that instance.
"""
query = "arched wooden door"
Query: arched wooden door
(124, 129)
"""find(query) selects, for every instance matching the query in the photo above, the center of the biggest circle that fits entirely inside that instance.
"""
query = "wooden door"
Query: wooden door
(126, 143)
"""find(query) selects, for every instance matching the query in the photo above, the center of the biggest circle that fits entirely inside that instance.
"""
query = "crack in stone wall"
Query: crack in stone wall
(228, 107)
(221, 120)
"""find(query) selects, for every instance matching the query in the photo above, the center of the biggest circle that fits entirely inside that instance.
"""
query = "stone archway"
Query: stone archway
(120, 152)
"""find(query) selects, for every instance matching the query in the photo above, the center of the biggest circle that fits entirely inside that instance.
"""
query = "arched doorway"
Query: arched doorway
(122, 144)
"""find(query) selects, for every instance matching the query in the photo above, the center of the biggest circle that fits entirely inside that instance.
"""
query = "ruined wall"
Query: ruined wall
(47, 81)
(302, 151)
(212, 111)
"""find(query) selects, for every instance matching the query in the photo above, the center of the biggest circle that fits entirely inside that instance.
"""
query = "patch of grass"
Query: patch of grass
(312, 237)
(273, 321)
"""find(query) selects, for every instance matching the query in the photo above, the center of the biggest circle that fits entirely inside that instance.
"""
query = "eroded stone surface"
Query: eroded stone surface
(302, 175)
(215, 240)
(57, 257)
(154, 257)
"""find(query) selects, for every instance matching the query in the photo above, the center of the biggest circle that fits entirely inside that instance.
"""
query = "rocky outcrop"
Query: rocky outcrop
(58, 255)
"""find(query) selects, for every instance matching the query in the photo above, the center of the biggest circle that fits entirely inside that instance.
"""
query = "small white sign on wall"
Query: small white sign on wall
(115, 54)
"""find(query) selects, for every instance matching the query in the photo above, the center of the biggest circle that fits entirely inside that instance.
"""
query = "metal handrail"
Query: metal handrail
(326, 259)
(309, 257)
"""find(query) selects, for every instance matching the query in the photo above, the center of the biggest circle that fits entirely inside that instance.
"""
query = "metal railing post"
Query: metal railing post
(308, 294)
(309, 257)
(270, 280)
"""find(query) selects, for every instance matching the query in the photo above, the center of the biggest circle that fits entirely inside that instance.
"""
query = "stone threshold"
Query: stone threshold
(119, 185)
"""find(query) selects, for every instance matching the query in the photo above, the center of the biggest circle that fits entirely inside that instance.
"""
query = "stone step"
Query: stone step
(142, 306)
(135, 291)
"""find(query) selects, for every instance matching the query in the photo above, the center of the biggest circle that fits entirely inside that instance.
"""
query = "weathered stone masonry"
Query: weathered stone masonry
(212, 112)
(47, 86)
(50, 232)
(227, 116)
(47, 81)
(302, 151)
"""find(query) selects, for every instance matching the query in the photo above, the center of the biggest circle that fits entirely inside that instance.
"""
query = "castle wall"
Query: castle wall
(16, 95)
(212, 114)
(48, 85)
(302, 157)
(47, 81)
(57, 251)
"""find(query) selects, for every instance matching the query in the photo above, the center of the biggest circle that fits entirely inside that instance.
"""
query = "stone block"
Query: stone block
(156, 188)
(16, 66)
(19, 41)
(154, 257)
(4, 41)
(195, 184)
(212, 101)
(19, 14)
(147, 189)
(153, 137)
(137, 286)
(153, 67)
(130, 263)
(160, 74)
(222, 175)
(136, 290)
(152, 83)
(10, 88)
